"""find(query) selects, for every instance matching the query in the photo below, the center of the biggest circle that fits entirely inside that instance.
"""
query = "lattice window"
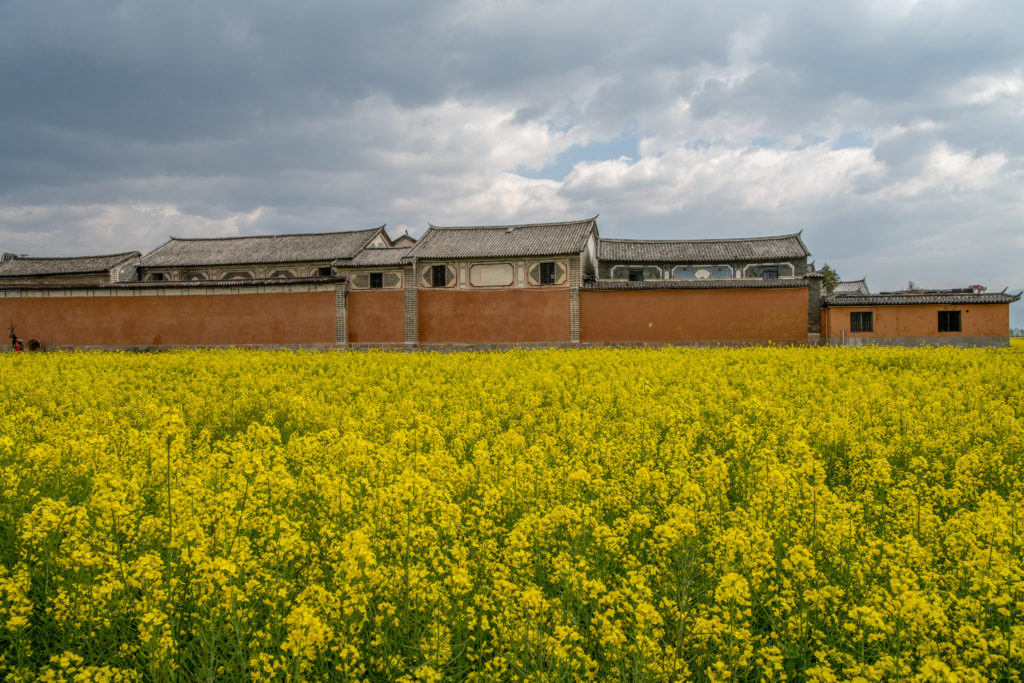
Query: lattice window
(434, 276)
(361, 281)
(701, 272)
(238, 275)
(282, 273)
(546, 273)
(637, 273)
(769, 271)
(128, 273)
(392, 280)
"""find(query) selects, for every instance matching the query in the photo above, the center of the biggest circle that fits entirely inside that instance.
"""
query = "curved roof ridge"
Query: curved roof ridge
(541, 224)
(706, 239)
(71, 258)
(250, 249)
(284, 234)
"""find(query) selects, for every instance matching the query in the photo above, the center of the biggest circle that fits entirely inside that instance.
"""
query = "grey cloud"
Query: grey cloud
(223, 108)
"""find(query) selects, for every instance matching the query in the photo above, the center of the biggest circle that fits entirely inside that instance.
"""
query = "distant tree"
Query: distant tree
(911, 286)
(831, 280)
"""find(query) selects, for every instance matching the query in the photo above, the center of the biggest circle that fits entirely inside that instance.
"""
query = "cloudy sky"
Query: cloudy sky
(891, 132)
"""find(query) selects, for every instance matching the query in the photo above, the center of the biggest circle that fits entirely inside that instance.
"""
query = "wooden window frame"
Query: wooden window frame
(862, 321)
(951, 321)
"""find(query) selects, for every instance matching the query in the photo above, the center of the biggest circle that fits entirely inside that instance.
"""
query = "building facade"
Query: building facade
(533, 284)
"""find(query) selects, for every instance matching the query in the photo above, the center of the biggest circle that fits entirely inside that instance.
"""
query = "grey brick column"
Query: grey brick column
(341, 313)
(813, 281)
(412, 332)
(575, 280)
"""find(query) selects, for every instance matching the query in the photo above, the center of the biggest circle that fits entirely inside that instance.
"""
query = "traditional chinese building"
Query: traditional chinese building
(542, 283)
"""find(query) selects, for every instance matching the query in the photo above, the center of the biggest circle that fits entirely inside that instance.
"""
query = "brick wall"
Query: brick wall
(694, 315)
(184, 317)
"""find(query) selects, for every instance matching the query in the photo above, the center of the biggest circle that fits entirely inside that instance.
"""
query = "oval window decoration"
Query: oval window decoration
(702, 274)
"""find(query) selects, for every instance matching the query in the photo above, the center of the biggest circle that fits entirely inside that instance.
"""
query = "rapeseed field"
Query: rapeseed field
(650, 515)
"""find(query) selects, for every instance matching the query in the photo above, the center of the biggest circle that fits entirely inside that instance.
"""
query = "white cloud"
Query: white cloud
(456, 136)
(106, 228)
(754, 178)
(955, 174)
(984, 90)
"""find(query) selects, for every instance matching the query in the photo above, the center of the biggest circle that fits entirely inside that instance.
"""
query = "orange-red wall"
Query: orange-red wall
(266, 318)
(376, 317)
(919, 320)
(694, 315)
(494, 316)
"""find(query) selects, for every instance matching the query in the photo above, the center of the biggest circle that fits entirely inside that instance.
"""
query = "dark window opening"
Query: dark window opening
(770, 273)
(439, 276)
(156, 277)
(376, 280)
(323, 271)
(636, 274)
(547, 273)
(862, 322)
(949, 321)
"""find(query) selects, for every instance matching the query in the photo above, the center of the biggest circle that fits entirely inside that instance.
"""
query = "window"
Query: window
(156, 277)
(439, 276)
(547, 273)
(636, 274)
(323, 271)
(376, 280)
(862, 322)
(770, 273)
(282, 273)
(949, 321)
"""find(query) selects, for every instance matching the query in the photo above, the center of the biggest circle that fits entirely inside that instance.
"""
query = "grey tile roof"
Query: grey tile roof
(378, 256)
(752, 283)
(907, 298)
(704, 251)
(537, 239)
(23, 266)
(852, 287)
(324, 246)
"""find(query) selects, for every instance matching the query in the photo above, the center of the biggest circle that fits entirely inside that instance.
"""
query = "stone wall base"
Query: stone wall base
(920, 341)
(449, 348)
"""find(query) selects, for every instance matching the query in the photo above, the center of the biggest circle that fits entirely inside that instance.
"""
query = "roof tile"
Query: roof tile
(704, 251)
(22, 266)
(904, 299)
(538, 239)
(325, 246)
